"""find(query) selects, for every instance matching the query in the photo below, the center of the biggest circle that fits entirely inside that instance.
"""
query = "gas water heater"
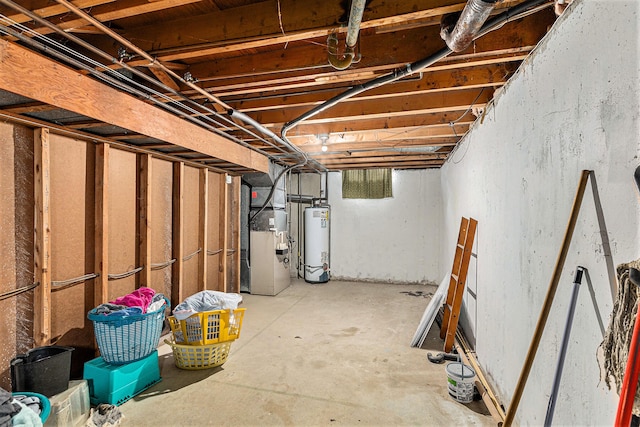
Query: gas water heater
(316, 244)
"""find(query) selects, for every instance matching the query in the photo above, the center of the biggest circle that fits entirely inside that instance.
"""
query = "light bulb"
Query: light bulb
(324, 148)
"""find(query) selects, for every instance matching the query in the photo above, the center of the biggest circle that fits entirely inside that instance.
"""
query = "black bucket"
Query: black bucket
(43, 370)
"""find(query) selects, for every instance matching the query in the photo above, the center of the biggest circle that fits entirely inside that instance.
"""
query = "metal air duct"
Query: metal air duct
(473, 16)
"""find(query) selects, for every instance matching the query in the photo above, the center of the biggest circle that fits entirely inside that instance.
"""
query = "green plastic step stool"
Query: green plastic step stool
(115, 384)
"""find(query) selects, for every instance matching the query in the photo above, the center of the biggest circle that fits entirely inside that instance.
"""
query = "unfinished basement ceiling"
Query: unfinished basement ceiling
(269, 61)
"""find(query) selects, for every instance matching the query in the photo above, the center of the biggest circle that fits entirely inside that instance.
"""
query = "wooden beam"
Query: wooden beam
(310, 127)
(46, 11)
(400, 157)
(203, 230)
(388, 50)
(383, 136)
(164, 77)
(42, 239)
(223, 233)
(29, 107)
(101, 283)
(260, 25)
(86, 96)
(117, 10)
(428, 83)
(458, 100)
(397, 165)
(144, 218)
(382, 154)
(177, 240)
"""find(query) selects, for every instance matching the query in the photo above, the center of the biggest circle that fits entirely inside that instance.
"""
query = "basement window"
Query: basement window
(366, 184)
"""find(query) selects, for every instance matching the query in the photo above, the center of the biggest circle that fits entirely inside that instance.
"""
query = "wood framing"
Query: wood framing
(234, 220)
(177, 244)
(203, 218)
(111, 106)
(42, 249)
(224, 223)
(144, 218)
(101, 283)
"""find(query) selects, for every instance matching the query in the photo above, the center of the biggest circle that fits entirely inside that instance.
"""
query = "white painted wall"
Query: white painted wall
(389, 240)
(573, 105)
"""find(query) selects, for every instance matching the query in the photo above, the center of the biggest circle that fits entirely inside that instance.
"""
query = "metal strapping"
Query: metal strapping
(125, 274)
(188, 257)
(162, 265)
(18, 291)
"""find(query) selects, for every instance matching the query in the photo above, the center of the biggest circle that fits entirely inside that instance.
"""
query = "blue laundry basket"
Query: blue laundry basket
(126, 339)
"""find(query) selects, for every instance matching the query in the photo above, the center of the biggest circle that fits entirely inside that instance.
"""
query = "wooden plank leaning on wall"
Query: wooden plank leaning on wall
(42, 247)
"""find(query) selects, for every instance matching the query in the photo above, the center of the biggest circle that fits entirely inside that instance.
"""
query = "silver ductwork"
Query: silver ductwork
(473, 16)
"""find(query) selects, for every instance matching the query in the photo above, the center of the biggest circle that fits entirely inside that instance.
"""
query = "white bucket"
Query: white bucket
(460, 381)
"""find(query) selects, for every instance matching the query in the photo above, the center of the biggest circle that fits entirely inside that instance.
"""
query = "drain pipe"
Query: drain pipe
(355, 19)
(516, 12)
(474, 14)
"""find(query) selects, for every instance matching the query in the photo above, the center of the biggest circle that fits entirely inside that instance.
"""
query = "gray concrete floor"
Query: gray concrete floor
(322, 354)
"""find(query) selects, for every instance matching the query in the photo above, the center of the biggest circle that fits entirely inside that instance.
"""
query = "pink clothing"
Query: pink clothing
(139, 298)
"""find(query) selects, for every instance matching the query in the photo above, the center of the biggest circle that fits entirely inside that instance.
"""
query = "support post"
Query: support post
(101, 283)
(144, 219)
(42, 239)
(235, 190)
(203, 230)
(224, 217)
(177, 243)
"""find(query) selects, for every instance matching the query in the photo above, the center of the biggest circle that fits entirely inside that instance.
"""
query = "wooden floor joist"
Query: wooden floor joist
(112, 106)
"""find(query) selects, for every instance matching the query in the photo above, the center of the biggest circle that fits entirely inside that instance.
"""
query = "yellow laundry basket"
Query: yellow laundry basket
(208, 327)
(193, 357)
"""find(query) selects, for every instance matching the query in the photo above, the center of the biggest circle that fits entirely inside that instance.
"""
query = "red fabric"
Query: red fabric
(139, 298)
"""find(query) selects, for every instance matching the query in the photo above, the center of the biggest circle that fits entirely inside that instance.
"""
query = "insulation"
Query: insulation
(16, 245)
(617, 339)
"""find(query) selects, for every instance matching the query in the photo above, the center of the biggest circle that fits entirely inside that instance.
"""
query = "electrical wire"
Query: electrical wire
(222, 121)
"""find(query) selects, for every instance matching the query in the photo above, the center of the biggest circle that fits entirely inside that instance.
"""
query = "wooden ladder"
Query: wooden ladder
(456, 282)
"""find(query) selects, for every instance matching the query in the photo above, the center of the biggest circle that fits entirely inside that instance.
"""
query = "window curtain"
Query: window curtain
(366, 184)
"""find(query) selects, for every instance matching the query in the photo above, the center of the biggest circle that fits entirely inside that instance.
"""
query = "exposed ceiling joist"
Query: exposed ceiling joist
(110, 105)
(268, 60)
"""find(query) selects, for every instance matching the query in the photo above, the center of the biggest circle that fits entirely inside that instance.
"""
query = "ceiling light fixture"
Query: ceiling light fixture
(324, 137)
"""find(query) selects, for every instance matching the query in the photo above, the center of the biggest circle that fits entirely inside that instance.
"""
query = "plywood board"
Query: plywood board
(190, 230)
(24, 239)
(122, 220)
(214, 257)
(72, 234)
(160, 217)
(7, 252)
